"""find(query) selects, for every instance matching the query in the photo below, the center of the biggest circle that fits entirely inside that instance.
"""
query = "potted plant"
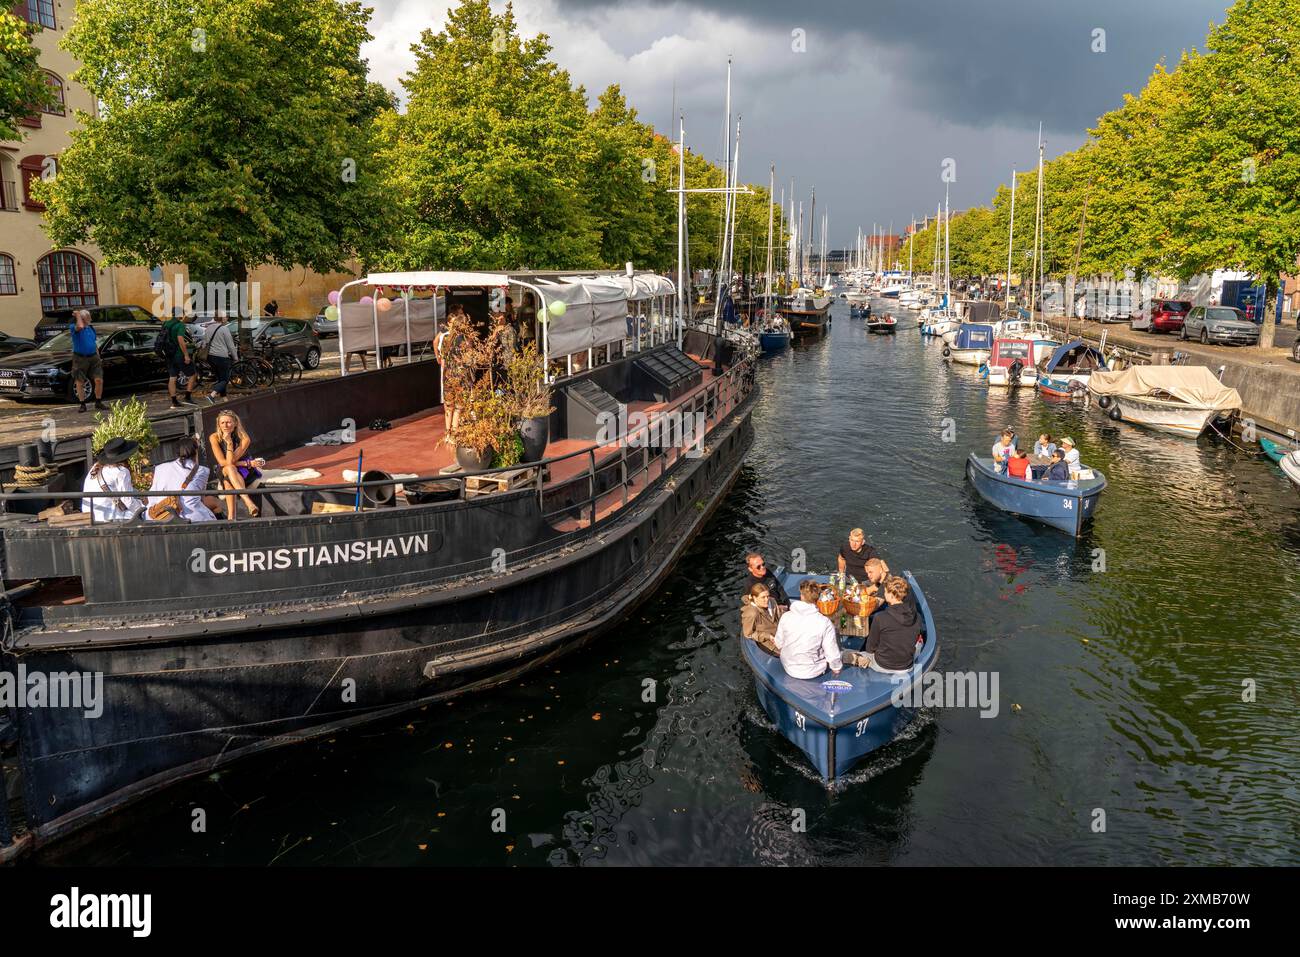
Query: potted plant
(128, 419)
(478, 428)
(529, 399)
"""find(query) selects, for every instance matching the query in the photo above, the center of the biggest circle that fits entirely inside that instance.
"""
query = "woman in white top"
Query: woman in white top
(110, 474)
(183, 472)
(1071, 453)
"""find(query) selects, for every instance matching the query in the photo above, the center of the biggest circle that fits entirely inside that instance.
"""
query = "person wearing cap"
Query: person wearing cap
(110, 474)
(1071, 453)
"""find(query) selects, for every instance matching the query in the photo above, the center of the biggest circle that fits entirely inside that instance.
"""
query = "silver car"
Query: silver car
(1220, 324)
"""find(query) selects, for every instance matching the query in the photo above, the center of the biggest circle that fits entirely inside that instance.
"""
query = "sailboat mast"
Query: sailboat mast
(767, 269)
(947, 246)
(1011, 235)
(726, 208)
(681, 227)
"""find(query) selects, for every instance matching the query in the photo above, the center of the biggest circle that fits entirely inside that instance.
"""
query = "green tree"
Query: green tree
(232, 133)
(23, 89)
(492, 157)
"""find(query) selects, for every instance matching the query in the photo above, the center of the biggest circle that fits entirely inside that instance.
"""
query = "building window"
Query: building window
(58, 107)
(8, 278)
(67, 279)
(31, 169)
(40, 12)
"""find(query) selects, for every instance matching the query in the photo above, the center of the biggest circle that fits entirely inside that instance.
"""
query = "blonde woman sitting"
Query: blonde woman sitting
(230, 444)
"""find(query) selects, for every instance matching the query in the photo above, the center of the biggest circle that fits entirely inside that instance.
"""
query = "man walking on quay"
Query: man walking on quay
(87, 367)
(176, 347)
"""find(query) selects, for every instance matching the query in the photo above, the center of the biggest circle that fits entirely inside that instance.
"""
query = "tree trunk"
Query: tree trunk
(1266, 331)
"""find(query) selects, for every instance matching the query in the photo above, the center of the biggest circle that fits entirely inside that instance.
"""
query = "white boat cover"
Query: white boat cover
(1195, 385)
(635, 288)
(357, 323)
(596, 313)
(437, 277)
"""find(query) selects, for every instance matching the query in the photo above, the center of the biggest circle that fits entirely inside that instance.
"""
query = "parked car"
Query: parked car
(11, 344)
(126, 348)
(57, 320)
(1164, 315)
(324, 326)
(1220, 324)
(295, 337)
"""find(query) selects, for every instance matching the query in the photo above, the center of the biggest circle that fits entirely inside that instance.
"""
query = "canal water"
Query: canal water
(1146, 673)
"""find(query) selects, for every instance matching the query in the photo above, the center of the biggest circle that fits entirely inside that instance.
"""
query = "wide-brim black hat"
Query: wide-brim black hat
(116, 450)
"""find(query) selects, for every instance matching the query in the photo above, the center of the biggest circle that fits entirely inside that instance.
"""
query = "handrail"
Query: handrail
(712, 388)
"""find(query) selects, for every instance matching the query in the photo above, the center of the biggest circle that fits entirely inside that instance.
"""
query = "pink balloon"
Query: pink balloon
(383, 305)
(333, 297)
(366, 300)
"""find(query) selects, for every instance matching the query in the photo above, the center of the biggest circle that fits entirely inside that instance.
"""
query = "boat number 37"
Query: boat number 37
(860, 727)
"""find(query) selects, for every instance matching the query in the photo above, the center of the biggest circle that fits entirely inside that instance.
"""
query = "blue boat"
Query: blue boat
(860, 311)
(1274, 451)
(774, 341)
(1063, 505)
(1065, 374)
(839, 721)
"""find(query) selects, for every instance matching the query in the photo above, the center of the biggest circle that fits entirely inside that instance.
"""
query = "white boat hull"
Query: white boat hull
(1290, 465)
(968, 357)
(1174, 417)
(999, 376)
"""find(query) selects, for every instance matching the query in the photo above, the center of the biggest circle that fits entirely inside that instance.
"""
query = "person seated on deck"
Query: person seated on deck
(1018, 465)
(759, 615)
(1044, 447)
(182, 472)
(230, 445)
(1058, 471)
(759, 573)
(855, 554)
(1002, 449)
(807, 640)
(110, 474)
(1071, 454)
(895, 632)
(877, 574)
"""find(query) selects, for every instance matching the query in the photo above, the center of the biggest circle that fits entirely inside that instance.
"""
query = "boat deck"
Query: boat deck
(415, 445)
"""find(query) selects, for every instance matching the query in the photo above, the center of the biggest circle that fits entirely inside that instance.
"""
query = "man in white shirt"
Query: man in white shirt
(1071, 454)
(1002, 449)
(183, 472)
(806, 638)
(110, 474)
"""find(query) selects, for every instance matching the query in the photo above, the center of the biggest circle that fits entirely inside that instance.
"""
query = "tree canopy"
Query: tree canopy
(23, 88)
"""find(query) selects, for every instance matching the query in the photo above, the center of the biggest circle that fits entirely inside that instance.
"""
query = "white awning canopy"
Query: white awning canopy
(595, 313)
(436, 277)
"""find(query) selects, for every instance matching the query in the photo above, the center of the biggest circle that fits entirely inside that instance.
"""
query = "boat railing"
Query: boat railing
(717, 399)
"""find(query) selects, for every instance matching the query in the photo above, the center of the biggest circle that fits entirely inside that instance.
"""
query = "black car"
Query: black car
(11, 344)
(58, 320)
(126, 349)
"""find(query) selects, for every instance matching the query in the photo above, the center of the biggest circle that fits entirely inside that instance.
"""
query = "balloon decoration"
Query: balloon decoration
(383, 304)
(367, 300)
(333, 297)
(332, 313)
(558, 308)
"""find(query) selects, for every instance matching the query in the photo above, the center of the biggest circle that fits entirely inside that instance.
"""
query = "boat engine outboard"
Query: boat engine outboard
(1013, 372)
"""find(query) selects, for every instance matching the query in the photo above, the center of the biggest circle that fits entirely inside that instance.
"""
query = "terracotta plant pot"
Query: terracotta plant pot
(471, 461)
(535, 432)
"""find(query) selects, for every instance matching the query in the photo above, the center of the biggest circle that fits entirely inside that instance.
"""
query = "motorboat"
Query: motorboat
(1065, 373)
(884, 323)
(971, 345)
(1010, 364)
(1183, 400)
(838, 721)
(1290, 464)
(1063, 505)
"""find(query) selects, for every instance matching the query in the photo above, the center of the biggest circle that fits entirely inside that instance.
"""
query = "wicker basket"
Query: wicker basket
(828, 607)
(862, 609)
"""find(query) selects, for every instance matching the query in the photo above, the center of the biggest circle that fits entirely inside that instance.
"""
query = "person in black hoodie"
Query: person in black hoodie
(891, 642)
(759, 573)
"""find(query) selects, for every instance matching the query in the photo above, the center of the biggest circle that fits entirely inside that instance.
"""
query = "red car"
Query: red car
(1167, 315)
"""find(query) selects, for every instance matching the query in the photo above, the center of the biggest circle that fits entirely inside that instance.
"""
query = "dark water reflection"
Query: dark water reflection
(1128, 680)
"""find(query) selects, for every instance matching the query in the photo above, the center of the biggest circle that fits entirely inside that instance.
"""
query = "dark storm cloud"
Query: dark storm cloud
(1011, 62)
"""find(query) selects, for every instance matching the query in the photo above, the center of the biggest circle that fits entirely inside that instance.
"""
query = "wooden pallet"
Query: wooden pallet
(497, 481)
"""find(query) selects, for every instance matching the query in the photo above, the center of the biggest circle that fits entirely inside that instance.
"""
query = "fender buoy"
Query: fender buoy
(1104, 401)
(1114, 414)
(947, 352)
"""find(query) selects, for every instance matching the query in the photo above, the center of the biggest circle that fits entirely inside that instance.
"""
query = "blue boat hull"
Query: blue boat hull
(773, 341)
(1272, 449)
(836, 732)
(1053, 503)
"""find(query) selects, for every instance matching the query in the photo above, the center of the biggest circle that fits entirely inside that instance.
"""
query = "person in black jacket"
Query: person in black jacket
(891, 642)
(760, 574)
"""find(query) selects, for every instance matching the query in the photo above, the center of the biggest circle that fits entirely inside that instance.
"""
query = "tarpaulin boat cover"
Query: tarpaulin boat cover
(596, 313)
(358, 322)
(983, 312)
(972, 336)
(635, 288)
(1069, 349)
(1195, 385)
